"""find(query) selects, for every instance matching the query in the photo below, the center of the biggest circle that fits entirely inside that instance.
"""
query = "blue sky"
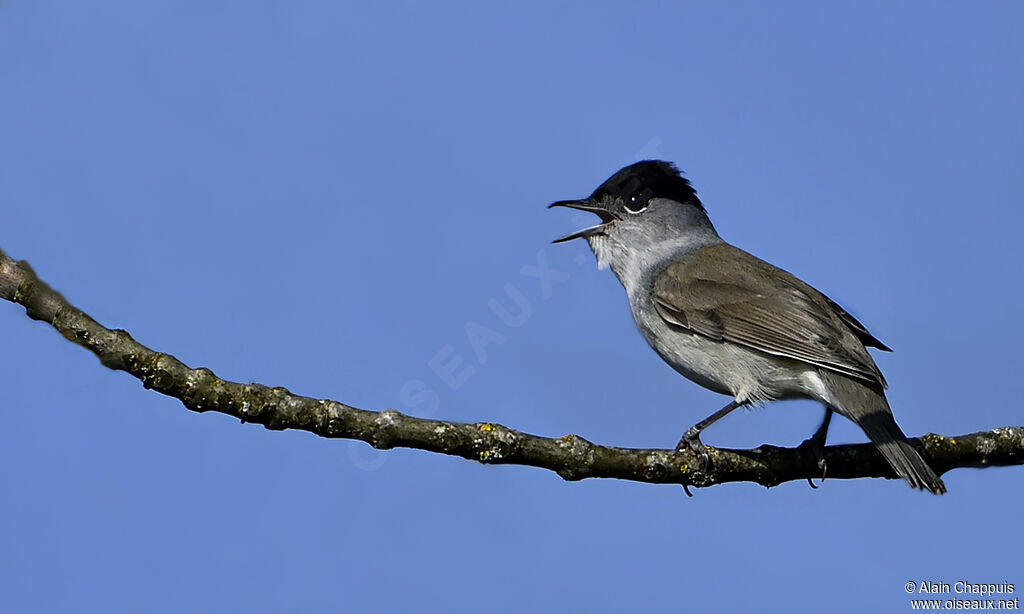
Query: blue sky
(325, 197)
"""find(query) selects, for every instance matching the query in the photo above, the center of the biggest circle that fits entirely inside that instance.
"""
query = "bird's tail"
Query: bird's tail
(883, 431)
(870, 410)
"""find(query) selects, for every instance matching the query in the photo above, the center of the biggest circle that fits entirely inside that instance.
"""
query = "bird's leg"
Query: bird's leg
(691, 439)
(817, 444)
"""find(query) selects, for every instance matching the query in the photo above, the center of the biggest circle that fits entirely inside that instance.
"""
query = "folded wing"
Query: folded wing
(730, 295)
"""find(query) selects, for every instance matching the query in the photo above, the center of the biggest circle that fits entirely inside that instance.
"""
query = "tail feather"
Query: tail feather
(869, 409)
(883, 431)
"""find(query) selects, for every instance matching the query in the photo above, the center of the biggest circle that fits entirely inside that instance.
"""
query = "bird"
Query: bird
(734, 323)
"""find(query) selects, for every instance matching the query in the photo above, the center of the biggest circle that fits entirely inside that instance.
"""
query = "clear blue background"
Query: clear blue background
(322, 196)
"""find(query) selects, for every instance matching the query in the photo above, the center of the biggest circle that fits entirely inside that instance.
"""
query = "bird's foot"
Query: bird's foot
(816, 443)
(691, 441)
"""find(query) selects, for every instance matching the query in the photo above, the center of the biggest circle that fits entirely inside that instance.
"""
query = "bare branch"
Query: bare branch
(572, 457)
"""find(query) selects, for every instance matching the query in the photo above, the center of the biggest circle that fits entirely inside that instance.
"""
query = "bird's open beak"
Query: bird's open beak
(585, 204)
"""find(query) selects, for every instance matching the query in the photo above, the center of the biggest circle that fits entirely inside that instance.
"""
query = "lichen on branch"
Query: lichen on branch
(570, 456)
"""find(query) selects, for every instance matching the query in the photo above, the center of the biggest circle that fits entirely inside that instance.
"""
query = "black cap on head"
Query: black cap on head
(640, 182)
(629, 192)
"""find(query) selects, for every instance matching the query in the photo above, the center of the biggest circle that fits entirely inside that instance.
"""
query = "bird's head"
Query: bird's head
(642, 205)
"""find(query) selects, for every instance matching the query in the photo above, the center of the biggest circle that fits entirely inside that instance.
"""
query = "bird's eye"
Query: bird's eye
(637, 205)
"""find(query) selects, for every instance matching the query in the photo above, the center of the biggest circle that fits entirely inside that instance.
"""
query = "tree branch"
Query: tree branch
(572, 457)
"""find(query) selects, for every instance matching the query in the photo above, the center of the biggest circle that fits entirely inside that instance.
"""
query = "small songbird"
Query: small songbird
(734, 323)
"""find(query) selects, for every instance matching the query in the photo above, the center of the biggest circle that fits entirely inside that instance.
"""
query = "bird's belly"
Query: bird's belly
(697, 363)
(726, 368)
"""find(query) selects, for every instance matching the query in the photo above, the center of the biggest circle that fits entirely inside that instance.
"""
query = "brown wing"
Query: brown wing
(858, 329)
(729, 295)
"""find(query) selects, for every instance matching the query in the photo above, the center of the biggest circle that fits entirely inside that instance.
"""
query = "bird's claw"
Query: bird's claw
(817, 446)
(691, 441)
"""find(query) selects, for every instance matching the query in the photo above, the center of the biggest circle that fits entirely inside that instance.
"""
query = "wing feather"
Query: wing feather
(729, 295)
